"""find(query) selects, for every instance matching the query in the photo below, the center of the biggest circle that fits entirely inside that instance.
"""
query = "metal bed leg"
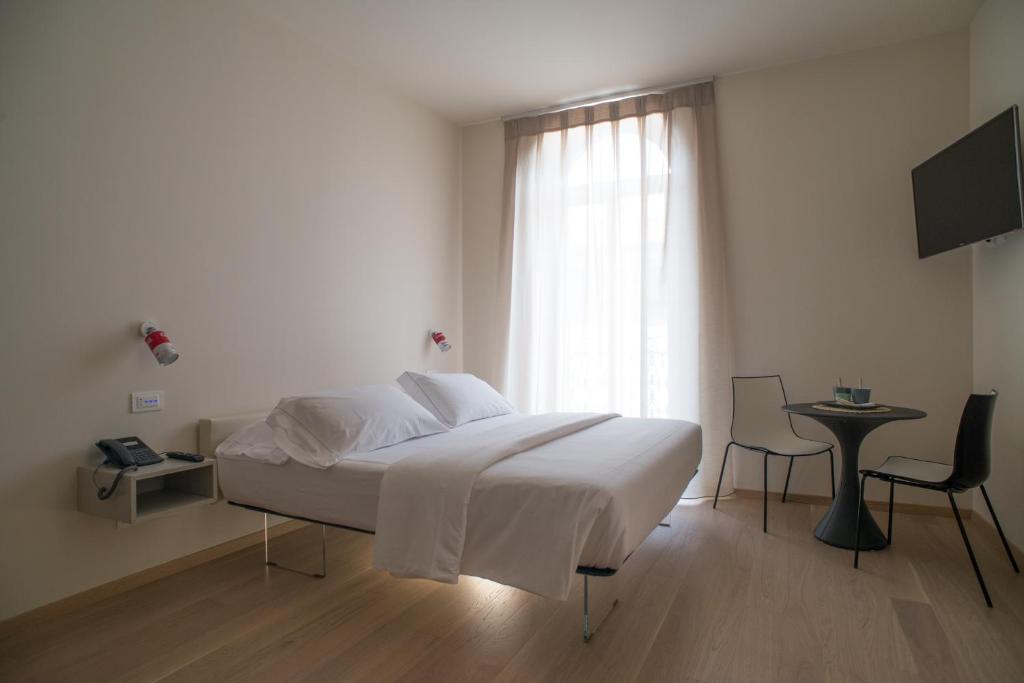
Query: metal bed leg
(587, 633)
(323, 550)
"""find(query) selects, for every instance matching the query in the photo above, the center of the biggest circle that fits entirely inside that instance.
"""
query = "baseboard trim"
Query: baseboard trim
(141, 578)
(906, 508)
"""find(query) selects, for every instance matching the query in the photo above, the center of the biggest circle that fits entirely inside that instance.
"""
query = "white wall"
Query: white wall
(997, 82)
(825, 279)
(816, 161)
(292, 225)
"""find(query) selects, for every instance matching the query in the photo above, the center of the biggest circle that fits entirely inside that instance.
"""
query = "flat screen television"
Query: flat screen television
(973, 189)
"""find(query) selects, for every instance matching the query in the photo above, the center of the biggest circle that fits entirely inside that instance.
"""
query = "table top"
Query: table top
(160, 469)
(895, 413)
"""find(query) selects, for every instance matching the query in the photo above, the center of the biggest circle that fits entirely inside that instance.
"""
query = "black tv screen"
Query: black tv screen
(972, 190)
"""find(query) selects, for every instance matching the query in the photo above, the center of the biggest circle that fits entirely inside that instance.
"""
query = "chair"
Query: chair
(759, 424)
(970, 469)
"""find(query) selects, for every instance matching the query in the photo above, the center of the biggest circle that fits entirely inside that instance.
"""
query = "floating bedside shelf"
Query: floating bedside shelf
(149, 492)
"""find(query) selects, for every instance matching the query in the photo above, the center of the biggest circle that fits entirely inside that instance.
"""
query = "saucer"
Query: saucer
(850, 404)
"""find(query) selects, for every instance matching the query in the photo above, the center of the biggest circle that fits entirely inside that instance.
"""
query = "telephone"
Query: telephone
(128, 453)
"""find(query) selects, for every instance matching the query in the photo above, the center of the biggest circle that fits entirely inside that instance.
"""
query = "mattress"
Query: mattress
(651, 460)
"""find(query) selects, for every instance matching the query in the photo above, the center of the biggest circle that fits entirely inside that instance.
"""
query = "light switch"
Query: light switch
(147, 401)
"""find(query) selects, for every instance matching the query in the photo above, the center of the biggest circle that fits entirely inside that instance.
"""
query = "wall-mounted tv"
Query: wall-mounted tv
(972, 190)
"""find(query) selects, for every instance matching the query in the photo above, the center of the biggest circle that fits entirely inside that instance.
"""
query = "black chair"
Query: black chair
(759, 424)
(970, 469)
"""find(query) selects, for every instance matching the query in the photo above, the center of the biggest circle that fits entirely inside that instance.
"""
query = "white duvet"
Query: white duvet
(529, 531)
(424, 501)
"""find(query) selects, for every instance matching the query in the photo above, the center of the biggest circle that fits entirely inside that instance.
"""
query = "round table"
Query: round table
(839, 525)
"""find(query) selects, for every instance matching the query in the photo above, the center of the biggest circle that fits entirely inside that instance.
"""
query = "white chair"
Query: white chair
(759, 424)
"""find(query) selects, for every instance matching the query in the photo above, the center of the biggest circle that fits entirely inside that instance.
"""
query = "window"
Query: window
(590, 325)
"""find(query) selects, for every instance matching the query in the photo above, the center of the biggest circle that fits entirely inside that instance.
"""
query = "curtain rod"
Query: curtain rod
(590, 101)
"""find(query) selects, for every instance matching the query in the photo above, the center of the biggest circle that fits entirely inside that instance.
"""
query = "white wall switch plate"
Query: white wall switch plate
(147, 401)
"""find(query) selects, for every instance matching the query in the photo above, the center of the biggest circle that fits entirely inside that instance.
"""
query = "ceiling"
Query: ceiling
(474, 60)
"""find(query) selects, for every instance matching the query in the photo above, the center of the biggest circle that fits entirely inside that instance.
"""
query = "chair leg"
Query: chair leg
(856, 542)
(785, 489)
(721, 474)
(832, 471)
(764, 523)
(892, 492)
(970, 551)
(1002, 536)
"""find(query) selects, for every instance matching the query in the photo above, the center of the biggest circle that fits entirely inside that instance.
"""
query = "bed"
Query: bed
(613, 481)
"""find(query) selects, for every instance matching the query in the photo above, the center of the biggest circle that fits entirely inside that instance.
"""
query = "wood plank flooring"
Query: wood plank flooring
(709, 599)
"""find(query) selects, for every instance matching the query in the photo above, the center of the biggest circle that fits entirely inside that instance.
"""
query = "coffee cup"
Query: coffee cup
(861, 395)
(842, 393)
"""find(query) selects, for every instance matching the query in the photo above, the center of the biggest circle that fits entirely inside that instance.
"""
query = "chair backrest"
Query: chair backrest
(757, 409)
(972, 457)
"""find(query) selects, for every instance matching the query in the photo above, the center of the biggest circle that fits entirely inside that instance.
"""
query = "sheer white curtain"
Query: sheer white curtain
(614, 273)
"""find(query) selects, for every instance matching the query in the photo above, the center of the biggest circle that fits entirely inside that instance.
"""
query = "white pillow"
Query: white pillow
(255, 442)
(319, 429)
(455, 398)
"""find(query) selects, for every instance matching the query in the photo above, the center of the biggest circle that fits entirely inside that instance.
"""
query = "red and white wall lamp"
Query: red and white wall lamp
(441, 340)
(159, 343)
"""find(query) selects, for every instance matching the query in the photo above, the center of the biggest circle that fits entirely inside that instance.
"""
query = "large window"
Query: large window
(613, 265)
(590, 326)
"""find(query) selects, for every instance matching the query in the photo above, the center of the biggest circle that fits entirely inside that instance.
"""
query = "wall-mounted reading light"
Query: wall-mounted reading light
(159, 343)
(440, 340)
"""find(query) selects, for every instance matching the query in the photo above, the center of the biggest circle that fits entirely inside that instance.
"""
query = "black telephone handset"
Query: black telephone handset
(128, 453)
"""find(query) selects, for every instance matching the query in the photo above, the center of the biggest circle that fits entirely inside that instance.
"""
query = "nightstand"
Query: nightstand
(149, 492)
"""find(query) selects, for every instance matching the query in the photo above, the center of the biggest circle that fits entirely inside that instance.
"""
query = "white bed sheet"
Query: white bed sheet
(254, 471)
(653, 461)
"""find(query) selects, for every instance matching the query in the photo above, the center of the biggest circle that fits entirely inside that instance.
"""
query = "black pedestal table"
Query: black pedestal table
(839, 525)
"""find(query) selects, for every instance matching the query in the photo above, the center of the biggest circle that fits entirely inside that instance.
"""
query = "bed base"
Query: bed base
(587, 572)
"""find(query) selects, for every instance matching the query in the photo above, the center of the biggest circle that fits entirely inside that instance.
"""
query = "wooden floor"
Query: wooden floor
(709, 599)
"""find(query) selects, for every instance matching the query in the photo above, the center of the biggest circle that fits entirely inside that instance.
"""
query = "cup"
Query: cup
(861, 395)
(842, 393)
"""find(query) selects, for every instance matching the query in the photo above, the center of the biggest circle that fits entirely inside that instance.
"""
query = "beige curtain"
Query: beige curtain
(612, 281)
